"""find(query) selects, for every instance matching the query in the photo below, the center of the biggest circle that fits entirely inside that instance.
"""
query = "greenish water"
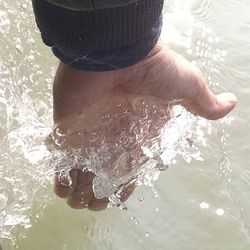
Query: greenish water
(199, 205)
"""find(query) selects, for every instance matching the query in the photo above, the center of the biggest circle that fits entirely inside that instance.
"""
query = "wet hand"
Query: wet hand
(82, 98)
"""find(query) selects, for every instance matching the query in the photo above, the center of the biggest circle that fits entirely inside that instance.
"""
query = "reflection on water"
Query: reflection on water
(186, 207)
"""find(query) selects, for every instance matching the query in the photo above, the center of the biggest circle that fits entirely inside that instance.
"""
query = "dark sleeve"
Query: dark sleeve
(98, 27)
(91, 4)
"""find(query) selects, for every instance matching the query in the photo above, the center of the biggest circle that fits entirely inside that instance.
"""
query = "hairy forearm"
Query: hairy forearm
(90, 4)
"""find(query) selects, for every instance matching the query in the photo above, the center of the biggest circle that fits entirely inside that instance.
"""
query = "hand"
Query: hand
(84, 101)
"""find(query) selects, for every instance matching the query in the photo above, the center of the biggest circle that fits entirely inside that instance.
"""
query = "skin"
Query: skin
(82, 97)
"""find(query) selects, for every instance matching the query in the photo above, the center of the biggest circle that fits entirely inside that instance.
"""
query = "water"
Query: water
(193, 205)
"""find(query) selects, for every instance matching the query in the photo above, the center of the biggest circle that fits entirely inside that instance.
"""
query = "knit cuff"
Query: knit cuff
(96, 30)
(90, 4)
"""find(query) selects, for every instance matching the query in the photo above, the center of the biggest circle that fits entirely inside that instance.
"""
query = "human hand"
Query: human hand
(85, 101)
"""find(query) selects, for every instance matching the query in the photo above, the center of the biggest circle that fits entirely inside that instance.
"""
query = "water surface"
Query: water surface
(193, 205)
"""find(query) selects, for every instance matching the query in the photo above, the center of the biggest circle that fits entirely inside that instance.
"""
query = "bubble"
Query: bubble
(204, 205)
(220, 211)
(141, 199)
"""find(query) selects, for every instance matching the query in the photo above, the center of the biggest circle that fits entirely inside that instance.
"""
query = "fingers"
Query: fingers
(127, 191)
(62, 188)
(210, 106)
(82, 194)
(98, 204)
(199, 98)
(169, 76)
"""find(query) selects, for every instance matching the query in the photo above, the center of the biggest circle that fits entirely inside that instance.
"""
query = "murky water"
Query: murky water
(193, 205)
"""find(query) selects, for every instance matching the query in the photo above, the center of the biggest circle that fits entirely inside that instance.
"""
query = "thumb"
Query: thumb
(211, 106)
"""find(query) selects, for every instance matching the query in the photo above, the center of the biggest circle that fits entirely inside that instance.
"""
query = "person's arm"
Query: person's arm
(95, 109)
(109, 59)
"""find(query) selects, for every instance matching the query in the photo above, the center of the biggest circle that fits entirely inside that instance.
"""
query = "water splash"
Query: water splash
(24, 171)
(138, 154)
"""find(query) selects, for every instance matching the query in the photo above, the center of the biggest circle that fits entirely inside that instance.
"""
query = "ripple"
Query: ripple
(25, 120)
(203, 11)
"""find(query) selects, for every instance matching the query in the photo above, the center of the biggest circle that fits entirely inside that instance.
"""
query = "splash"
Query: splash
(137, 154)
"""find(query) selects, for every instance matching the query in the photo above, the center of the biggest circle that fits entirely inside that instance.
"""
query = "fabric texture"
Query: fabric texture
(107, 38)
(111, 59)
(91, 4)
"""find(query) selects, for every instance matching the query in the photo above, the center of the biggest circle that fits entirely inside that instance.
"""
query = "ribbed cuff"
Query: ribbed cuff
(97, 30)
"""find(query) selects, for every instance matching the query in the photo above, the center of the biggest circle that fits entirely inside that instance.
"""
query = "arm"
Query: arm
(90, 87)
(83, 98)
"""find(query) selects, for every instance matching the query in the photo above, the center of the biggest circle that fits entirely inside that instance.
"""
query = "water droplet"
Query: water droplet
(220, 211)
(132, 218)
(204, 205)
(141, 199)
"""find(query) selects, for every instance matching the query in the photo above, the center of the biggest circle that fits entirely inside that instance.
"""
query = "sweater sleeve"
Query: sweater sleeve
(96, 27)
(99, 35)
(91, 4)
